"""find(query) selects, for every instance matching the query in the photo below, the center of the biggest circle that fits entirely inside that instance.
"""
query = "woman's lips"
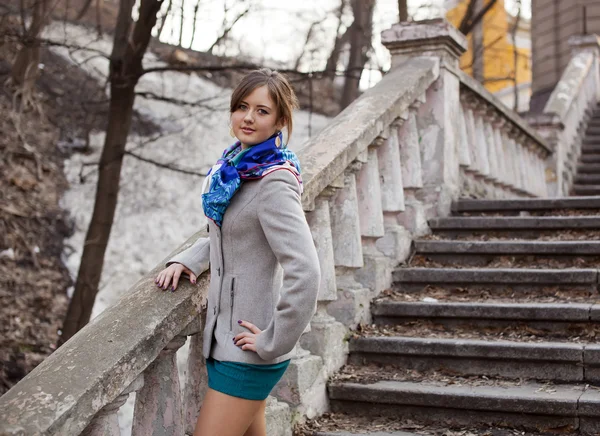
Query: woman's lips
(247, 131)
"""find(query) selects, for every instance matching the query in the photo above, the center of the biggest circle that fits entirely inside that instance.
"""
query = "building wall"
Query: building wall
(552, 23)
(498, 52)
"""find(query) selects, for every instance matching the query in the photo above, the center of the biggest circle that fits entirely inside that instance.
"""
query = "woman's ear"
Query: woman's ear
(281, 124)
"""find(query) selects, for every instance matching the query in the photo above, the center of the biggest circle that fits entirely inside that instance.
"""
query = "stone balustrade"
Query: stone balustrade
(393, 159)
(568, 110)
(130, 347)
(500, 155)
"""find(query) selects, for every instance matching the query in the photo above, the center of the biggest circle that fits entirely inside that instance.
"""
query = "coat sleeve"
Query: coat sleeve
(282, 219)
(196, 257)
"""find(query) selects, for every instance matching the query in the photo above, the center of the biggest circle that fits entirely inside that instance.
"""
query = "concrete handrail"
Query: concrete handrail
(568, 110)
(328, 154)
(62, 394)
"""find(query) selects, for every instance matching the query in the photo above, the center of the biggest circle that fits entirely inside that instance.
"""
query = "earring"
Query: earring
(231, 132)
(278, 141)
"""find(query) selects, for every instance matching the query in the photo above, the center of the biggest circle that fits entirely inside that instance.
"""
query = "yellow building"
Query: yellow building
(498, 63)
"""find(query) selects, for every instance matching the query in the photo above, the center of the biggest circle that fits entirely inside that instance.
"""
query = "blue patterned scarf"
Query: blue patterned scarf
(237, 165)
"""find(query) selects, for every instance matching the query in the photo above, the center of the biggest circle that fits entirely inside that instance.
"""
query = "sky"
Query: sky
(276, 30)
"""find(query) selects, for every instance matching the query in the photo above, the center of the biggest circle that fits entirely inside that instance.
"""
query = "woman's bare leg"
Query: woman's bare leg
(259, 425)
(224, 415)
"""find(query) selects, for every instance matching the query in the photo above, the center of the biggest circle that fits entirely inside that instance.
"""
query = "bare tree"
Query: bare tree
(227, 27)
(25, 68)
(164, 18)
(340, 41)
(360, 38)
(130, 43)
(403, 10)
(182, 13)
(515, 29)
(474, 15)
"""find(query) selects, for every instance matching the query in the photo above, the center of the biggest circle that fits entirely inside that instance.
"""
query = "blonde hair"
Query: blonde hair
(280, 92)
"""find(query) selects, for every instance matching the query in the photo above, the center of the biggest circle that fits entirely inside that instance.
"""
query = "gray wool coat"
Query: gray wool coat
(263, 269)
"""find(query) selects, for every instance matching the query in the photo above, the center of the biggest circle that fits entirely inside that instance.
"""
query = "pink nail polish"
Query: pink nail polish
(239, 321)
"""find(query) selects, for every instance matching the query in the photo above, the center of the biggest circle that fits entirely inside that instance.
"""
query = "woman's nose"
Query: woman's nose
(249, 116)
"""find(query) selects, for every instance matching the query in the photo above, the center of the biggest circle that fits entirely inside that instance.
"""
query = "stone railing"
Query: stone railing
(567, 112)
(500, 155)
(397, 156)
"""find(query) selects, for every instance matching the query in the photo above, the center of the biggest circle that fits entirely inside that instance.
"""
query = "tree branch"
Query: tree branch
(467, 24)
(225, 33)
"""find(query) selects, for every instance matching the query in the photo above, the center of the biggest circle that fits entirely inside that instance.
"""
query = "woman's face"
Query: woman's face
(255, 119)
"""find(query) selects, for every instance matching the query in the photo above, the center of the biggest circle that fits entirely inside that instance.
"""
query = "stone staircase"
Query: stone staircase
(587, 180)
(489, 330)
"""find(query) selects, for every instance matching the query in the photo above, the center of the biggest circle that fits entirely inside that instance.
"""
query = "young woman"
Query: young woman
(264, 271)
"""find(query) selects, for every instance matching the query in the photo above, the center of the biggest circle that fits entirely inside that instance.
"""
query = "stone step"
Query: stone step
(555, 361)
(513, 223)
(552, 321)
(391, 312)
(533, 204)
(588, 168)
(530, 405)
(485, 253)
(590, 158)
(377, 433)
(565, 248)
(489, 294)
(340, 424)
(586, 189)
(590, 146)
(415, 278)
(587, 179)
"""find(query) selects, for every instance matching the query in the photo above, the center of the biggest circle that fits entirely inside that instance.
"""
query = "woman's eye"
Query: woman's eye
(242, 106)
(264, 112)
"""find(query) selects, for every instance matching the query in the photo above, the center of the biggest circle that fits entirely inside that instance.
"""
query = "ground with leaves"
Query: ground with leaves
(33, 281)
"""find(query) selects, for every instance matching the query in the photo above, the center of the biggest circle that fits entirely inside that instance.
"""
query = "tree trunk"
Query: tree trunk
(477, 45)
(360, 43)
(340, 40)
(403, 10)
(25, 68)
(125, 70)
(515, 29)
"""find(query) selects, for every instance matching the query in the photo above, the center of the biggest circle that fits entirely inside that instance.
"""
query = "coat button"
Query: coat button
(215, 310)
(207, 228)
(219, 272)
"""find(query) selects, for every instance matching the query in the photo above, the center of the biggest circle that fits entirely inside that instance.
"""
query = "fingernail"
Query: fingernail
(194, 282)
(239, 321)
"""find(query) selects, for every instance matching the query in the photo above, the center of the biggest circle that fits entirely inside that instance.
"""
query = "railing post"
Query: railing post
(439, 117)
(326, 338)
(158, 408)
(106, 422)
(196, 383)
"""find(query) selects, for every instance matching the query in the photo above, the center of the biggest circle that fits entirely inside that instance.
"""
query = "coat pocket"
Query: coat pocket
(231, 298)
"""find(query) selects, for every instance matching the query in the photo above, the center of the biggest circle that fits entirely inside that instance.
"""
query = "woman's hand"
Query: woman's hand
(173, 273)
(247, 340)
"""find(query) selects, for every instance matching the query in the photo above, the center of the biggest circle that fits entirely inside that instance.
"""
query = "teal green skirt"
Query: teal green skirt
(244, 380)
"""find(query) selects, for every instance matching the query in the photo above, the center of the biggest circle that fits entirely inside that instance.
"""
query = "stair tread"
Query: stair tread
(474, 347)
(529, 397)
(501, 295)
(501, 222)
(470, 205)
(495, 275)
(508, 247)
(494, 337)
(575, 312)
(377, 433)
(341, 424)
